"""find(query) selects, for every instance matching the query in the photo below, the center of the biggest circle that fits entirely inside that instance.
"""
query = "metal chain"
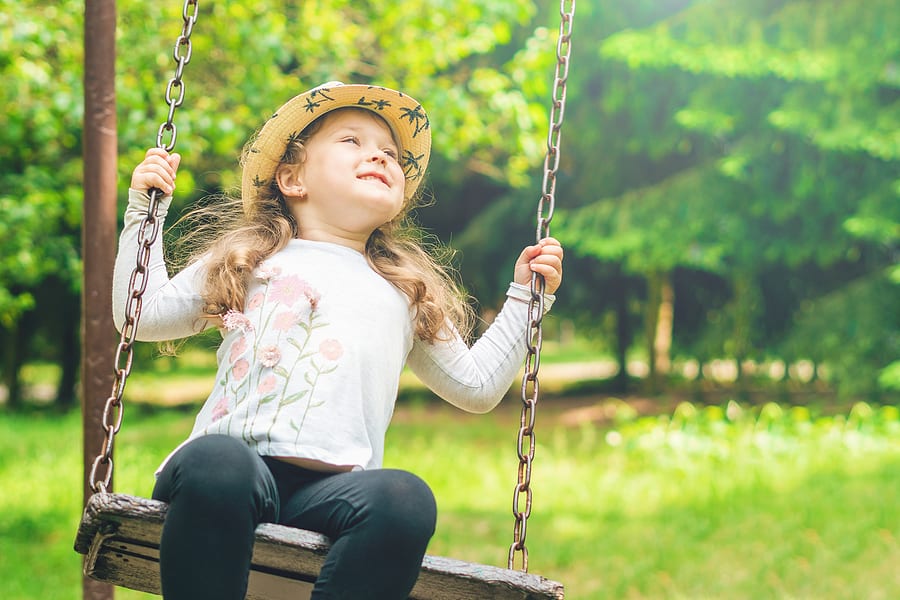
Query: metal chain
(530, 383)
(114, 410)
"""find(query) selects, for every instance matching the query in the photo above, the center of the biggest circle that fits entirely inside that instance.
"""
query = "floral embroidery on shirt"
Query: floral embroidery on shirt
(234, 320)
(267, 385)
(240, 369)
(270, 356)
(288, 290)
(285, 321)
(258, 374)
(238, 347)
(266, 272)
(256, 301)
(331, 350)
(220, 409)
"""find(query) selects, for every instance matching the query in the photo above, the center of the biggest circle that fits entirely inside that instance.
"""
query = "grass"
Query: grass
(700, 502)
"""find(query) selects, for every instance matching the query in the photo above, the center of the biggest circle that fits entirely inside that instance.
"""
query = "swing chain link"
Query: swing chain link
(530, 383)
(189, 16)
(113, 411)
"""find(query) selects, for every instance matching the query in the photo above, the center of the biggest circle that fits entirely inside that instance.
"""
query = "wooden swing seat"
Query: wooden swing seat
(119, 536)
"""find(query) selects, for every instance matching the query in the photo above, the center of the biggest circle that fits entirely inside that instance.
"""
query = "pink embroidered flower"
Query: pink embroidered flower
(236, 320)
(265, 272)
(267, 385)
(312, 296)
(289, 289)
(240, 369)
(270, 356)
(238, 347)
(256, 301)
(331, 349)
(220, 409)
(285, 320)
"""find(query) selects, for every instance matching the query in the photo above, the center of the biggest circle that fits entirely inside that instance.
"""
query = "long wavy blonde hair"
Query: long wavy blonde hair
(233, 239)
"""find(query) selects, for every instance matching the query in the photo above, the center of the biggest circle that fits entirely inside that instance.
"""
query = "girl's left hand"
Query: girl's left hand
(544, 258)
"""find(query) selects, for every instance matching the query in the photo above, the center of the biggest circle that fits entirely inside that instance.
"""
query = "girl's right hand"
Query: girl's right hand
(157, 170)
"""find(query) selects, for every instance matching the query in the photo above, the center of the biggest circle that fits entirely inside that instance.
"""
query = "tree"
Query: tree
(246, 60)
(772, 143)
(40, 151)
(597, 160)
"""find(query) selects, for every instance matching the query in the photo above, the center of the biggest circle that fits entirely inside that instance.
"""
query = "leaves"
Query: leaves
(40, 162)
(757, 137)
(290, 399)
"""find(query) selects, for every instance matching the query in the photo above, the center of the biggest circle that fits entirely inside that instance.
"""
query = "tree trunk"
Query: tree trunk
(623, 337)
(651, 319)
(662, 343)
(746, 299)
(659, 315)
(70, 361)
(12, 367)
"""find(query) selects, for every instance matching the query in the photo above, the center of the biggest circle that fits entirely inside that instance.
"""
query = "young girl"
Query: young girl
(322, 294)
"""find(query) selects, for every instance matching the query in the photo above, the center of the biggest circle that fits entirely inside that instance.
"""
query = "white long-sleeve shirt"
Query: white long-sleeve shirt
(310, 369)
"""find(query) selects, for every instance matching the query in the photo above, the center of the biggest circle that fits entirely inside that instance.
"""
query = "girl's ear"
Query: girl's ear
(289, 182)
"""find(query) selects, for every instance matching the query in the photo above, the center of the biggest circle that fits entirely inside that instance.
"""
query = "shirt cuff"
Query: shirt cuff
(141, 200)
(517, 291)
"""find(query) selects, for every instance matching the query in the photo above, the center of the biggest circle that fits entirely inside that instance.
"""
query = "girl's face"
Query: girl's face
(351, 179)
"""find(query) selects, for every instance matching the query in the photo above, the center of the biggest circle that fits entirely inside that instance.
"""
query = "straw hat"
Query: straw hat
(403, 114)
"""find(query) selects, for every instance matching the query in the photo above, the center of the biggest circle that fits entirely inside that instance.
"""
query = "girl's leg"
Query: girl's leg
(218, 490)
(379, 522)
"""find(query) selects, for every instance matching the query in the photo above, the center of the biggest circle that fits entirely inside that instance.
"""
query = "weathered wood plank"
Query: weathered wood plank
(137, 567)
(119, 535)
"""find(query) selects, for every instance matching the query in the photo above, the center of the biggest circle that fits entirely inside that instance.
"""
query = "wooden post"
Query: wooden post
(98, 236)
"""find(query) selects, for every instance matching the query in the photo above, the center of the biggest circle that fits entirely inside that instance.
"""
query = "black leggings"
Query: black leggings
(218, 489)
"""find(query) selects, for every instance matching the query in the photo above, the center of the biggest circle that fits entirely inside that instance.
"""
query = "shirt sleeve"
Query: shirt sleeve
(170, 308)
(476, 379)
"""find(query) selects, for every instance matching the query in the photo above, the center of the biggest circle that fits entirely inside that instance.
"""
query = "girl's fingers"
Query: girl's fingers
(548, 263)
(157, 170)
(544, 258)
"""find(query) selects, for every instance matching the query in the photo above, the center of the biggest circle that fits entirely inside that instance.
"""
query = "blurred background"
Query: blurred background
(729, 200)
(728, 188)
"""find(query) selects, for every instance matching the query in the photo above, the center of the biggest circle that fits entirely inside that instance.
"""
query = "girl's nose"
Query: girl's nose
(379, 156)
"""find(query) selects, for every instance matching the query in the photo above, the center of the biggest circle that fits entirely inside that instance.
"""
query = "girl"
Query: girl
(322, 294)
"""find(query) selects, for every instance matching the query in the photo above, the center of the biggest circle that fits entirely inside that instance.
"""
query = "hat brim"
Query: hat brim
(403, 114)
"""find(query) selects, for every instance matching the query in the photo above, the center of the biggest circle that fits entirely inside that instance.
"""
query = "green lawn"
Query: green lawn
(715, 502)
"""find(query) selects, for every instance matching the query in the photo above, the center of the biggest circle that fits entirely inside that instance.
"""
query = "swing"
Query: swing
(119, 534)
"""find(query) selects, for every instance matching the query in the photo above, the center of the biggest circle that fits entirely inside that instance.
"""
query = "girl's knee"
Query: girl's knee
(215, 470)
(404, 504)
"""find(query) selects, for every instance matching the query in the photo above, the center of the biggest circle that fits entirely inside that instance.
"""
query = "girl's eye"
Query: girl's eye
(352, 140)
(391, 152)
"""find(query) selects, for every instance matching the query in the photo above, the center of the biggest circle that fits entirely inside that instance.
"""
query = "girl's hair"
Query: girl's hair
(233, 240)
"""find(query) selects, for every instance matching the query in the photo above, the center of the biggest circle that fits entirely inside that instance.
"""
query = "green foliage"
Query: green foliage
(889, 378)
(246, 60)
(760, 137)
(856, 331)
(40, 152)
(714, 140)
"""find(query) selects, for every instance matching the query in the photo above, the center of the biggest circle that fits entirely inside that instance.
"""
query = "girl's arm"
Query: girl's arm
(171, 308)
(476, 379)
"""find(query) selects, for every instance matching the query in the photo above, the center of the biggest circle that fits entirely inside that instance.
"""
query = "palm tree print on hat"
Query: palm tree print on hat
(416, 116)
(373, 104)
(410, 162)
(312, 103)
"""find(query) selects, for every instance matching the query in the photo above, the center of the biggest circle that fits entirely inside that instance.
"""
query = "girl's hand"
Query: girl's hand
(544, 258)
(157, 170)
